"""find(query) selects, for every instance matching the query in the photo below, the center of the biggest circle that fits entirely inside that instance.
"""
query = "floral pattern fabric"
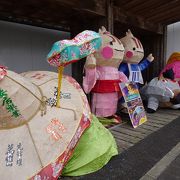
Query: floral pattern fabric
(66, 51)
(54, 169)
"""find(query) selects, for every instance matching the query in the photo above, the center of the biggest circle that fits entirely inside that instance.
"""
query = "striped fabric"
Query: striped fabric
(135, 73)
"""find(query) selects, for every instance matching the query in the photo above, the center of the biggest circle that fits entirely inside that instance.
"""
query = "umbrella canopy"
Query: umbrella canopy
(37, 139)
(67, 51)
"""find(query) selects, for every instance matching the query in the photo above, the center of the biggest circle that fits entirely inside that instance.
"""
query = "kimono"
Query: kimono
(103, 82)
(133, 71)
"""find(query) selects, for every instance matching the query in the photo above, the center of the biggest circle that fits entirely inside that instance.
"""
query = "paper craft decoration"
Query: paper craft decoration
(134, 53)
(68, 51)
(35, 146)
(160, 90)
(102, 76)
(133, 103)
(156, 91)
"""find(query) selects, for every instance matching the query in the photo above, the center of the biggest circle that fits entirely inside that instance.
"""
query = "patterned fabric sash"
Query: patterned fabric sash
(106, 86)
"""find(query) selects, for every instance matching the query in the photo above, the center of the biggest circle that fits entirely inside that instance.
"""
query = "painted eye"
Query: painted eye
(134, 48)
(111, 43)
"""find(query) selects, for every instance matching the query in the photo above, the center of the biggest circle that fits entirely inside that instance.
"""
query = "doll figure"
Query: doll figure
(102, 77)
(134, 53)
(163, 89)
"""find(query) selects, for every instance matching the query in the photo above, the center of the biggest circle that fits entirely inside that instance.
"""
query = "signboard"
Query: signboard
(133, 103)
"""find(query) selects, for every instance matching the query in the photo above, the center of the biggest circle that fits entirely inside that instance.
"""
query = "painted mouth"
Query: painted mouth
(139, 51)
(119, 50)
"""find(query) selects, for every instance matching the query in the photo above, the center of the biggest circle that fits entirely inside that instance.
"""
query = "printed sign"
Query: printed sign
(133, 103)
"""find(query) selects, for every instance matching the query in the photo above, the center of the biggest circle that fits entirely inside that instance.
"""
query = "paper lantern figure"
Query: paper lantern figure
(163, 89)
(102, 77)
(134, 53)
(68, 51)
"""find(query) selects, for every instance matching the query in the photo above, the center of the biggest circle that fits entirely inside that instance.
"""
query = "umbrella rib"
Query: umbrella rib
(34, 145)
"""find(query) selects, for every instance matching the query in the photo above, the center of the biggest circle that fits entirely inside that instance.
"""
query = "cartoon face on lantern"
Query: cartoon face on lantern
(134, 51)
(111, 52)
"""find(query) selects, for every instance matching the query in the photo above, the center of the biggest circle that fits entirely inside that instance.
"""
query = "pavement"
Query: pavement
(155, 157)
(172, 172)
(168, 168)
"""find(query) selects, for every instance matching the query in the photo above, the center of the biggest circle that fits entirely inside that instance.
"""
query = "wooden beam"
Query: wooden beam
(34, 22)
(162, 9)
(145, 7)
(58, 14)
(130, 3)
(97, 7)
(171, 20)
(127, 18)
(169, 13)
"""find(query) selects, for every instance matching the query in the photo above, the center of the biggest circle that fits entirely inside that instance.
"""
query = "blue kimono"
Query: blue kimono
(133, 71)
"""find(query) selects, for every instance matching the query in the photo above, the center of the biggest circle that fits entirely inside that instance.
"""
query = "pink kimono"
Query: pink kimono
(103, 82)
(102, 77)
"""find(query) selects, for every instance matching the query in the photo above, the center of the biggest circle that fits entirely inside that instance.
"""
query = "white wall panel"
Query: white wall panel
(173, 39)
(24, 48)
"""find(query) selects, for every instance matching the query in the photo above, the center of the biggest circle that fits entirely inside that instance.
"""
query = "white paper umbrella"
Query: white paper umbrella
(37, 141)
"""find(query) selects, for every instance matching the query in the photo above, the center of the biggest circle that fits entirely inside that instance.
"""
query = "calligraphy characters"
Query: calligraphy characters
(55, 129)
(13, 153)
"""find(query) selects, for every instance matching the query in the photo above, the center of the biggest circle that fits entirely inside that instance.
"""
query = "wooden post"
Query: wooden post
(164, 47)
(110, 17)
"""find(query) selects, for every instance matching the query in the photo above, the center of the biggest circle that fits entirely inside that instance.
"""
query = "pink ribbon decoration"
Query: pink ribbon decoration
(3, 72)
